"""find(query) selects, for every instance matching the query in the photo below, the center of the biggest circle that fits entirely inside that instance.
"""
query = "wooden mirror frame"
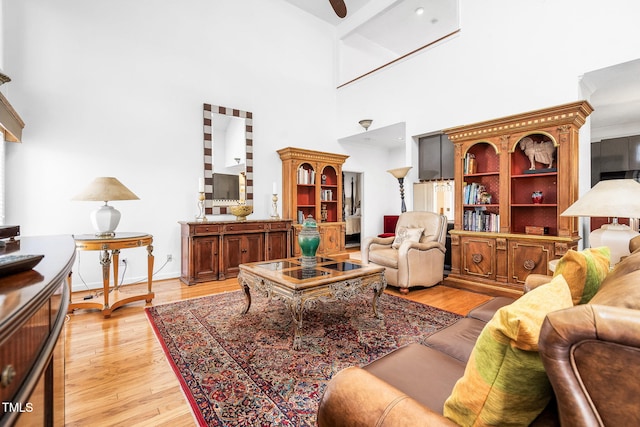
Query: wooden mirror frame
(208, 109)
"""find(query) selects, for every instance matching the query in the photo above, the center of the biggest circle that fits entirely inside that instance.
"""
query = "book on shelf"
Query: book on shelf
(481, 221)
(306, 176)
(326, 195)
(471, 191)
(475, 194)
(469, 164)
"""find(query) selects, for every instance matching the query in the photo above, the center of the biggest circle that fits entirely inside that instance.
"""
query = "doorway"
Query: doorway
(352, 205)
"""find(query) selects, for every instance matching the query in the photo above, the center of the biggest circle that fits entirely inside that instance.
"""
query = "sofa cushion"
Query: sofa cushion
(504, 382)
(406, 233)
(425, 374)
(584, 271)
(615, 290)
(486, 310)
(457, 340)
(385, 257)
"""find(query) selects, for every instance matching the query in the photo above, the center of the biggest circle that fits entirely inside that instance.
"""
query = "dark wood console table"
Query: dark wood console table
(214, 250)
(33, 307)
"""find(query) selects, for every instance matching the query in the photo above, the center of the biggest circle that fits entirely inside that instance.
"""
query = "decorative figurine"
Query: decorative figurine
(541, 152)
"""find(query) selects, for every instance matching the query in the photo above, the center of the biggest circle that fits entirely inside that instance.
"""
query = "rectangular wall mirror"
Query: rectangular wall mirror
(228, 158)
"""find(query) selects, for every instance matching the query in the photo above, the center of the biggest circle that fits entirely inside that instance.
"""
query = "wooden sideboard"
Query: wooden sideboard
(33, 306)
(213, 250)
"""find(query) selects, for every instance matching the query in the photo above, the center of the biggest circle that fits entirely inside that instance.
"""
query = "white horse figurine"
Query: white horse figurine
(538, 152)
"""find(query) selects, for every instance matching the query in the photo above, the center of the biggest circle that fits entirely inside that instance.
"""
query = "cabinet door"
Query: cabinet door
(331, 239)
(205, 259)
(295, 247)
(634, 152)
(478, 255)
(232, 254)
(528, 257)
(277, 245)
(446, 158)
(253, 248)
(242, 248)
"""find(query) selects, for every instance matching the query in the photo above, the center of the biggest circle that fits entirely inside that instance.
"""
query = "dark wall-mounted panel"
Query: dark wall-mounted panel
(435, 157)
(614, 154)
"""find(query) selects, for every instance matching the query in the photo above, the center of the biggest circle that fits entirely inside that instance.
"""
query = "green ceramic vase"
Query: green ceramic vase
(309, 237)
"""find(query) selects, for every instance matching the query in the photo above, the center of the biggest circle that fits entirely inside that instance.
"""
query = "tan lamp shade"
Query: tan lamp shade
(400, 172)
(615, 198)
(105, 219)
(105, 189)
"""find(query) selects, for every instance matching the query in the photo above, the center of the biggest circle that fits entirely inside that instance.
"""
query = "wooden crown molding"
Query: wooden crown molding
(311, 155)
(574, 113)
(10, 121)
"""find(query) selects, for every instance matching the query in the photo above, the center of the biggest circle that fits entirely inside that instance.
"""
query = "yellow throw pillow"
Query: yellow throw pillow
(584, 271)
(504, 382)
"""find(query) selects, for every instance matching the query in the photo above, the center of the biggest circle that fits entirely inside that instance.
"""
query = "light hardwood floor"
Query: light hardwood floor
(117, 373)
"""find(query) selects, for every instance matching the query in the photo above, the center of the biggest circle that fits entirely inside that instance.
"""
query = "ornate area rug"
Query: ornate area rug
(240, 370)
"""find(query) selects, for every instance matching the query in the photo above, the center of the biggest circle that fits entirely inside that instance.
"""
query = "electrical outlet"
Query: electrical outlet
(169, 258)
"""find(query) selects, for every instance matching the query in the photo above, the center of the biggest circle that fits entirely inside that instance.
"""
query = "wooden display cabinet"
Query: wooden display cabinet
(312, 185)
(503, 235)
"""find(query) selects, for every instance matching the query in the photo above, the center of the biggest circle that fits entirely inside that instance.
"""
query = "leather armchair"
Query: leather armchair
(413, 263)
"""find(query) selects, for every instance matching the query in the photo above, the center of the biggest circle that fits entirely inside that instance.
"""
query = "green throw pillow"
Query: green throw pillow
(504, 382)
(584, 271)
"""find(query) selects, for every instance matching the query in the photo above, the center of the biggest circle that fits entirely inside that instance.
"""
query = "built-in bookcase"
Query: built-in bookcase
(312, 185)
(507, 220)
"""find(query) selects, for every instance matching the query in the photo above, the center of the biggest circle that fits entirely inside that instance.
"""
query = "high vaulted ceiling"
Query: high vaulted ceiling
(322, 8)
(614, 91)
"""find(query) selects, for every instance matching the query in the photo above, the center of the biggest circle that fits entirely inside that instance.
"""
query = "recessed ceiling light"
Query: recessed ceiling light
(420, 11)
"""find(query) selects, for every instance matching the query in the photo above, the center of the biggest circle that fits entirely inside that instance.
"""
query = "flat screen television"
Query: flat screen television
(226, 187)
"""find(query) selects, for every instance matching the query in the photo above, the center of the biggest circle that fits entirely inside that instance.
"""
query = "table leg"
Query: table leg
(69, 310)
(297, 309)
(150, 260)
(105, 261)
(378, 289)
(247, 295)
(115, 256)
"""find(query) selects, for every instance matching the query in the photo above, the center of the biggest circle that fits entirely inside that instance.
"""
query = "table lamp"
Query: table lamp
(400, 173)
(105, 219)
(615, 198)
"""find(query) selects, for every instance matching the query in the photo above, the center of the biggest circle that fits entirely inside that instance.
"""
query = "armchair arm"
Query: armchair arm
(407, 245)
(420, 264)
(365, 247)
(354, 397)
(591, 354)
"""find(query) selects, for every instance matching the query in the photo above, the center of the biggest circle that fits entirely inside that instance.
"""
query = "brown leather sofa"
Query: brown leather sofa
(591, 353)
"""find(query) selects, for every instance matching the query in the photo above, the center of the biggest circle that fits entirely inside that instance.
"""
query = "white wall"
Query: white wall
(510, 57)
(115, 88)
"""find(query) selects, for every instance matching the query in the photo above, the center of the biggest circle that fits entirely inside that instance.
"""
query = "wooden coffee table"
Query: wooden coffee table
(300, 287)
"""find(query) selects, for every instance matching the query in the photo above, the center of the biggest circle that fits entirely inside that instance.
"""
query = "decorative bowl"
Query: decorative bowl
(241, 211)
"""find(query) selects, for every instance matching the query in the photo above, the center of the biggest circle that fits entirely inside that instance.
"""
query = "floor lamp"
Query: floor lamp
(400, 173)
(615, 198)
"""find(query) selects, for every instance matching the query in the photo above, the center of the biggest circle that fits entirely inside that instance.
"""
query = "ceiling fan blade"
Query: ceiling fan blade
(339, 7)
